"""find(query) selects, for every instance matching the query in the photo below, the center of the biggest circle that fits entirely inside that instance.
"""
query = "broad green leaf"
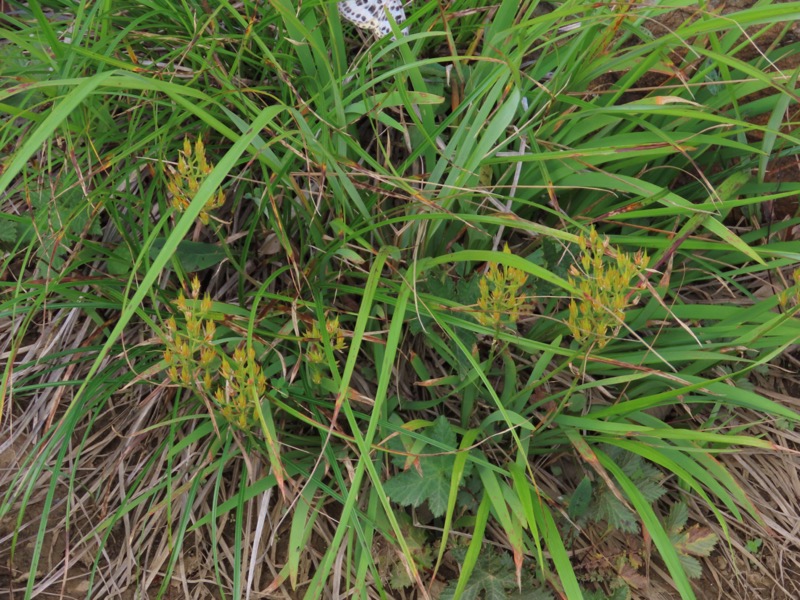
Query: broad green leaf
(193, 256)
(580, 499)
(429, 480)
(697, 541)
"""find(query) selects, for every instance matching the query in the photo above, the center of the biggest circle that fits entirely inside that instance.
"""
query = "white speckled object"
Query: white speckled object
(371, 14)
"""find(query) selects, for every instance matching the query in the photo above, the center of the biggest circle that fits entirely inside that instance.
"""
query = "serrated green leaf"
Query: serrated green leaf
(431, 482)
(531, 593)
(651, 489)
(494, 590)
(676, 520)
(697, 541)
(622, 592)
(492, 578)
(611, 510)
(644, 475)
(594, 595)
(8, 231)
(691, 566)
(411, 489)
(418, 545)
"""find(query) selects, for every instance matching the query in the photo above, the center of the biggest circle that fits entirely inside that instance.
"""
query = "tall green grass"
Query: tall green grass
(370, 188)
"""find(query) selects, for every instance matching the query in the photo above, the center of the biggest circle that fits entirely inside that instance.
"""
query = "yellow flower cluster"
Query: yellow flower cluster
(605, 287)
(791, 295)
(245, 385)
(192, 170)
(315, 353)
(196, 363)
(500, 301)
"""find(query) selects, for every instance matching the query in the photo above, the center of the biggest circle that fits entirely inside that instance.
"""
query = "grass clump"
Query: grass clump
(291, 310)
